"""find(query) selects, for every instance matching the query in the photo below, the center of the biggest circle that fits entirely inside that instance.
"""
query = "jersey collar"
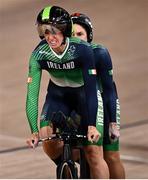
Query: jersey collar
(61, 55)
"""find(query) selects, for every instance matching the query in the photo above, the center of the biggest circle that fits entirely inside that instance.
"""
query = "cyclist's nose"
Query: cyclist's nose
(49, 37)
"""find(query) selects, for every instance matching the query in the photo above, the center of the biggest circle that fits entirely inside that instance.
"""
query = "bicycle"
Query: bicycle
(67, 169)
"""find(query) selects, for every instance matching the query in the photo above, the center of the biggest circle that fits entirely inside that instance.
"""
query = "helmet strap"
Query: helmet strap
(64, 41)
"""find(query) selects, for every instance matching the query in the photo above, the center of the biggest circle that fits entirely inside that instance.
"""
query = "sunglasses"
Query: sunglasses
(47, 29)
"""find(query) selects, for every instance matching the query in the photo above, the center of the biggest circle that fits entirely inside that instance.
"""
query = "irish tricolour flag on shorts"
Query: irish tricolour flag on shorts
(92, 71)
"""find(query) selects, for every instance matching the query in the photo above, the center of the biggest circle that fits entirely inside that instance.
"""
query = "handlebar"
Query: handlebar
(64, 136)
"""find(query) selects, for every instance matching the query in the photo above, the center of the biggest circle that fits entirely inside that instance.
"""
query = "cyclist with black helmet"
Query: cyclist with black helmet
(72, 86)
(83, 30)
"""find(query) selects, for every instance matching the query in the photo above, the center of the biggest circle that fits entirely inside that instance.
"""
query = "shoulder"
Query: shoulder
(82, 48)
(101, 52)
(99, 47)
(102, 56)
(79, 42)
(38, 52)
(42, 45)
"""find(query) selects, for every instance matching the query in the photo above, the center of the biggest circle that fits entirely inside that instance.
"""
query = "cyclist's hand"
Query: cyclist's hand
(93, 135)
(114, 131)
(33, 140)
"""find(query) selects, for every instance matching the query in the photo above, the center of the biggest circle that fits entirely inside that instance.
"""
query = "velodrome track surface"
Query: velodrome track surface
(122, 26)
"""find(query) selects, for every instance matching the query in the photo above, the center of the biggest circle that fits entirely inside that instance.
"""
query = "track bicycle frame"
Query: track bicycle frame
(68, 139)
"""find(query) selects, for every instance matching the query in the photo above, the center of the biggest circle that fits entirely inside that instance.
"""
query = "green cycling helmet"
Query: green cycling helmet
(56, 17)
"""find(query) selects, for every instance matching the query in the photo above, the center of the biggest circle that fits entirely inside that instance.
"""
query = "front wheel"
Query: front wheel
(67, 170)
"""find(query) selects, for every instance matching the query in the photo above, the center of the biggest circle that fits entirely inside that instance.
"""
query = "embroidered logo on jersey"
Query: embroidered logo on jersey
(29, 80)
(92, 72)
(44, 52)
(110, 72)
(68, 65)
(71, 50)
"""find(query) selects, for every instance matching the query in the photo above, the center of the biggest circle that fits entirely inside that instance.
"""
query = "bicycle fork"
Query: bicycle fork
(67, 155)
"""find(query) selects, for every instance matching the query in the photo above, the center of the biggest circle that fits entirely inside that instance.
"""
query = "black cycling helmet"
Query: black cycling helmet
(56, 16)
(84, 21)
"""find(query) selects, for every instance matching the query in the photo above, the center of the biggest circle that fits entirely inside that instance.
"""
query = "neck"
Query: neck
(60, 49)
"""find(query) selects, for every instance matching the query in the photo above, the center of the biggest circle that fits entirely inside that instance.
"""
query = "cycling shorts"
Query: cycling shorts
(67, 100)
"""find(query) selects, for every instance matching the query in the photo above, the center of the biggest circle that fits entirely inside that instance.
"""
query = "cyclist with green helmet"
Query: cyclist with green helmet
(83, 29)
(72, 86)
